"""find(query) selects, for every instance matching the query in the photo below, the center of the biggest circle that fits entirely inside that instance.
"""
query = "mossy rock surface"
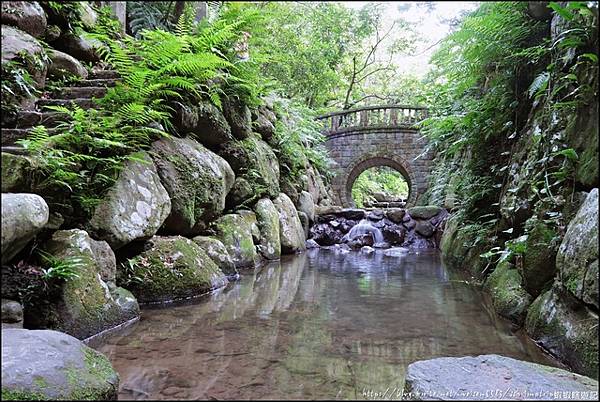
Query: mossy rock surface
(267, 218)
(16, 173)
(566, 329)
(577, 258)
(508, 295)
(85, 305)
(538, 267)
(235, 232)
(424, 212)
(172, 268)
(291, 232)
(51, 365)
(197, 181)
(217, 251)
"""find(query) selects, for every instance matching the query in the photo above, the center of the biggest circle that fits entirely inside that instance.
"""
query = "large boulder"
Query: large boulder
(577, 258)
(17, 172)
(28, 16)
(197, 181)
(306, 204)
(291, 232)
(538, 266)
(267, 218)
(23, 216)
(217, 252)
(134, 208)
(84, 305)
(567, 329)
(239, 117)
(63, 66)
(492, 377)
(15, 44)
(50, 365)
(424, 212)
(171, 268)
(203, 122)
(235, 232)
(508, 296)
(256, 162)
(79, 46)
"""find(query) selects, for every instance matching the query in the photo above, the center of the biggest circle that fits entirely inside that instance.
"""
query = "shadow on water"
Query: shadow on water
(319, 325)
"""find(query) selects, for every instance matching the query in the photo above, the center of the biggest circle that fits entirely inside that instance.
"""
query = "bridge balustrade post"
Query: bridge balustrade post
(394, 116)
(364, 118)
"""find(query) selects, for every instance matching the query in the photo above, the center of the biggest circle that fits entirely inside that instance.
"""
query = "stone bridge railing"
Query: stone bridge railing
(386, 116)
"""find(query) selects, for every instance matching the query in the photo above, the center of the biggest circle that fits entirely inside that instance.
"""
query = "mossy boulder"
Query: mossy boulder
(172, 268)
(251, 220)
(263, 122)
(238, 116)
(538, 267)
(424, 212)
(306, 204)
(291, 233)
(253, 160)
(217, 252)
(20, 46)
(235, 232)
(509, 298)
(577, 258)
(241, 193)
(64, 66)
(23, 216)
(197, 181)
(17, 172)
(203, 122)
(50, 365)
(134, 208)
(28, 16)
(458, 249)
(84, 305)
(267, 218)
(565, 328)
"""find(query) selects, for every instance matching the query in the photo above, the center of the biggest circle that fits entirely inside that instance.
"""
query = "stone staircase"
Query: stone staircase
(81, 93)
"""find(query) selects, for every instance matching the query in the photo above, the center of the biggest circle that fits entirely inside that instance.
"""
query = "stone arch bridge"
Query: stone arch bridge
(358, 139)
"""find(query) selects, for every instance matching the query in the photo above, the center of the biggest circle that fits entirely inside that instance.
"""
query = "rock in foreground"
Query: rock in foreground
(494, 377)
(51, 365)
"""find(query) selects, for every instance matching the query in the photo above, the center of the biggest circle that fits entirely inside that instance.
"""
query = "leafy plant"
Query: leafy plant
(62, 269)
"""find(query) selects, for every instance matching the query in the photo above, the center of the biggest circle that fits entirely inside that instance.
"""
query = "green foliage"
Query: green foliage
(378, 180)
(62, 269)
(17, 84)
(148, 15)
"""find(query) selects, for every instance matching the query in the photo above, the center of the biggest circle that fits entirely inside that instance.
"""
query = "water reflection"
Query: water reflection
(316, 325)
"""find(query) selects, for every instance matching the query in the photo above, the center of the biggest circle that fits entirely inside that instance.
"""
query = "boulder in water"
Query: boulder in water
(310, 243)
(396, 252)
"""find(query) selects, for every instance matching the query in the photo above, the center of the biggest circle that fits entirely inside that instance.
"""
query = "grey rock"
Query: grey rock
(89, 17)
(424, 212)
(267, 218)
(395, 214)
(12, 311)
(50, 365)
(424, 228)
(134, 208)
(79, 46)
(577, 258)
(305, 223)
(492, 377)
(306, 204)
(290, 228)
(17, 171)
(250, 218)
(217, 252)
(23, 216)
(126, 301)
(396, 252)
(235, 233)
(63, 65)
(375, 215)
(203, 122)
(28, 16)
(310, 243)
(16, 42)
(197, 181)
(509, 298)
(239, 118)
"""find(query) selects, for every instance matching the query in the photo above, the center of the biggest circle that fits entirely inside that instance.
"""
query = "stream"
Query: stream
(317, 325)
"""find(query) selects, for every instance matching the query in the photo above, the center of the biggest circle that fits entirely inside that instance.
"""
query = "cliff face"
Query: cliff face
(533, 240)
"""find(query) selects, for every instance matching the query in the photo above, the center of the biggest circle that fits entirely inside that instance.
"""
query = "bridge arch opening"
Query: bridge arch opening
(393, 162)
(380, 187)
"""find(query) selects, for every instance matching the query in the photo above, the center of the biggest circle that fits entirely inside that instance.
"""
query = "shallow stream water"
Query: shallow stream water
(318, 325)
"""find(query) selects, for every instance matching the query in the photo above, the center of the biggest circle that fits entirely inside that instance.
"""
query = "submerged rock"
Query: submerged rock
(172, 268)
(290, 228)
(492, 377)
(310, 243)
(267, 218)
(23, 216)
(396, 252)
(235, 233)
(50, 365)
(134, 208)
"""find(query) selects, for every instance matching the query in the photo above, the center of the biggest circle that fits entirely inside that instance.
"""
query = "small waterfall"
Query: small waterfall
(363, 227)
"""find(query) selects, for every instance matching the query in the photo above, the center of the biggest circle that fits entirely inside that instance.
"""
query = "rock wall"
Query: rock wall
(536, 251)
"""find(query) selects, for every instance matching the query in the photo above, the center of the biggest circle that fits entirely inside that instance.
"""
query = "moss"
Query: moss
(509, 298)
(424, 212)
(236, 234)
(539, 256)
(174, 268)
(22, 395)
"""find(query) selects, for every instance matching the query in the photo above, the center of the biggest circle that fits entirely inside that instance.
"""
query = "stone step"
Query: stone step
(103, 74)
(85, 103)
(81, 92)
(11, 135)
(98, 82)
